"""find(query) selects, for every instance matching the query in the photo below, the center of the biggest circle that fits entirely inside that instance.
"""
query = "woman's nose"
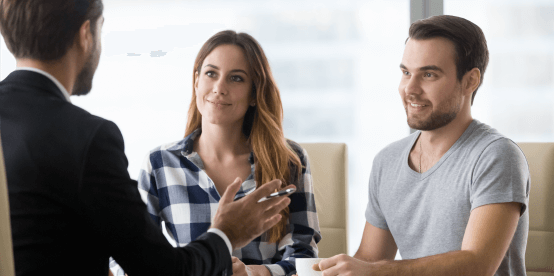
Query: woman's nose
(220, 87)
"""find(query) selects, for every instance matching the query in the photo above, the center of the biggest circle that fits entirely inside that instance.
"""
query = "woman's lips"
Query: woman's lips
(218, 103)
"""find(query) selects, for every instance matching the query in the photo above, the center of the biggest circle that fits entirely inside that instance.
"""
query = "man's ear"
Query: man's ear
(83, 39)
(471, 81)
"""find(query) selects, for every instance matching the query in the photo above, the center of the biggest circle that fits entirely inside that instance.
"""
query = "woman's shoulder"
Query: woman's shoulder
(175, 146)
(185, 145)
(300, 152)
(168, 154)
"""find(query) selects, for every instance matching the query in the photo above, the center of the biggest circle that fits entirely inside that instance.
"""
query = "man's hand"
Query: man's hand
(343, 265)
(245, 219)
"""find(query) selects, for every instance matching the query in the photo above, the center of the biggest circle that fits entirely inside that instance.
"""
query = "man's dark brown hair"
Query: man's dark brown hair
(468, 39)
(45, 29)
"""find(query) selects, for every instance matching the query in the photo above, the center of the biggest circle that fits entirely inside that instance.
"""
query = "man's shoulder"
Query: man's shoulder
(39, 103)
(77, 120)
(483, 137)
(85, 117)
(481, 132)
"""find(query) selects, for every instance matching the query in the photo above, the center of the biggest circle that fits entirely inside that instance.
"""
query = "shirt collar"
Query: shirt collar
(186, 146)
(60, 86)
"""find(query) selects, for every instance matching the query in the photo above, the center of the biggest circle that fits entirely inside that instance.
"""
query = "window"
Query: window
(517, 93)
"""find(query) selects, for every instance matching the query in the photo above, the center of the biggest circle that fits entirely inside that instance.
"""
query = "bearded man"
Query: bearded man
(451, 197)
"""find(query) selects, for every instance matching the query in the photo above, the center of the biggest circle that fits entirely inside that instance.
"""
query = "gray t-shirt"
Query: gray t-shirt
(427, 213)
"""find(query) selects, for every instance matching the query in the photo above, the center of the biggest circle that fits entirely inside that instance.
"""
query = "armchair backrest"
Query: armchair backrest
(329, 168)
(539, 256)
(6, 249)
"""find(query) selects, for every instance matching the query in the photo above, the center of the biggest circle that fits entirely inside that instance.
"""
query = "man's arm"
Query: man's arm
(487, 237)
(113, 209)
(118, 219)
(377, 245)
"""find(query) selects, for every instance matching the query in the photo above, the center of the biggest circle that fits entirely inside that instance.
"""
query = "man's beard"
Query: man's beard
(438, 118)
(83, 83)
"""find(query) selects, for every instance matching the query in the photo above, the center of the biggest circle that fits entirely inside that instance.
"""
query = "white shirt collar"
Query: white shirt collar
(60, 86)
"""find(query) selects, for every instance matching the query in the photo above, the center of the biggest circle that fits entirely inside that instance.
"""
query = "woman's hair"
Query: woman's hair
(263, 123)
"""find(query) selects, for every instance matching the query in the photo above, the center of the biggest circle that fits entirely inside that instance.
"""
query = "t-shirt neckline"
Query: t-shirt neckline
(443, 159)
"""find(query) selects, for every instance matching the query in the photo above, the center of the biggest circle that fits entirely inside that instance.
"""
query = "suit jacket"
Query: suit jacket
(72, 203)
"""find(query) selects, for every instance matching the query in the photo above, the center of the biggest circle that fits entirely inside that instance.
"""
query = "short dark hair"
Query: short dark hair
(468, 39)
(45, 29)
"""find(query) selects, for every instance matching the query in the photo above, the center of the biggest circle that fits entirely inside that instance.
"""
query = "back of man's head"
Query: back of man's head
(468, 39)
(45, 29)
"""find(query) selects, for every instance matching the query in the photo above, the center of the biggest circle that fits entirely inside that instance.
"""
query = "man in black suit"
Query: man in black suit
(72, 202)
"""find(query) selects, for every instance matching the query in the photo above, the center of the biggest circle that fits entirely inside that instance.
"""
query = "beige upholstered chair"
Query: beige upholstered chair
(328, 163)
(6, 251)
(539, 257)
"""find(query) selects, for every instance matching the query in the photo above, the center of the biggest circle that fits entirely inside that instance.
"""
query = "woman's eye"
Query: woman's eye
(405, 73)
(236, 78)
(210, 74)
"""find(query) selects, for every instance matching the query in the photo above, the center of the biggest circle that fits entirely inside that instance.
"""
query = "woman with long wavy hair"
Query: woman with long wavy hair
(234, 129)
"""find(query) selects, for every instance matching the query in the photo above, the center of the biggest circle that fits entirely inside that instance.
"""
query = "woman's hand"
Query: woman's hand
(239, 268)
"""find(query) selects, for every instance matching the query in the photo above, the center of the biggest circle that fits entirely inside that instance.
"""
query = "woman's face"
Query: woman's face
(223, 87)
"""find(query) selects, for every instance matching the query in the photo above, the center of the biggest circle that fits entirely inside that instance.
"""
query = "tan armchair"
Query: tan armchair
(539, 257)
(6, 249)
(329, 163)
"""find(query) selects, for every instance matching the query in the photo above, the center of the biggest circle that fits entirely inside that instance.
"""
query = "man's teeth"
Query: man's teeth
(416, 105)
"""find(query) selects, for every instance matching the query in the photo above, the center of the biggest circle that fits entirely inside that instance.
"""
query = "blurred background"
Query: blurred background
(335, 62)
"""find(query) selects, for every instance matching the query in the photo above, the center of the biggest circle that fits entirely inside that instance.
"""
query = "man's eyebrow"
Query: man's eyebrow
(431, 68)
(424, 68)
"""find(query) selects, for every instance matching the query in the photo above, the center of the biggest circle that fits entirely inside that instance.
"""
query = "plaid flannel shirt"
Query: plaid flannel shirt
(182, 200)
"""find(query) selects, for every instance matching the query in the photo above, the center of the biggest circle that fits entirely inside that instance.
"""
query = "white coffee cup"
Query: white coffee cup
(304, 266)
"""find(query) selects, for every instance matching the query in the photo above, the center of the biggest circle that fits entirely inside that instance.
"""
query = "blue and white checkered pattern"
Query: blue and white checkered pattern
(182, 200)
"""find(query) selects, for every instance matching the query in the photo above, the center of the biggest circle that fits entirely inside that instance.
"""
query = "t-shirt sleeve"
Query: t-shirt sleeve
(501, 175)
(373, 213)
